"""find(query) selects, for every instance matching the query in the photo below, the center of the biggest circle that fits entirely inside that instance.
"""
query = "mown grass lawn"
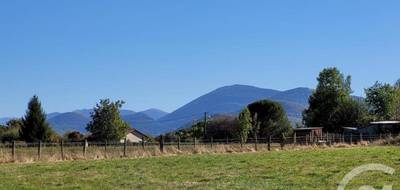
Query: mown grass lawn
(310, 169)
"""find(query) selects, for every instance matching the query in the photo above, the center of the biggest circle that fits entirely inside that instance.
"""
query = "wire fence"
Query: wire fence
(30, 152)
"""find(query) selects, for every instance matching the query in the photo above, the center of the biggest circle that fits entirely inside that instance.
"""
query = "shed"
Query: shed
(310, 131)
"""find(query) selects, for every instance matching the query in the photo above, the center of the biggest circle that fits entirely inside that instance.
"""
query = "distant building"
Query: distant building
(375, 128)
(135, 136)
(313, 132)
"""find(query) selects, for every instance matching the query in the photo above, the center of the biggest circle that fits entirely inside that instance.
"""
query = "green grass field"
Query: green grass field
(310, 169)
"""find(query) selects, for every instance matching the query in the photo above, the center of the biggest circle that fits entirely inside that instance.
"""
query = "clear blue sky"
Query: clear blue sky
(163, 54)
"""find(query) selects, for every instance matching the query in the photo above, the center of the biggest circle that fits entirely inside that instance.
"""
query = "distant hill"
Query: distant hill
(143, 123)
(153, 113)
(228, 100)
(231, 100)
(71, 121)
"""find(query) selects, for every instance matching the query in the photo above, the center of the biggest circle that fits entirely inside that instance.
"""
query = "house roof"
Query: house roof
(384, 122)
(307, 129)
(138, 133)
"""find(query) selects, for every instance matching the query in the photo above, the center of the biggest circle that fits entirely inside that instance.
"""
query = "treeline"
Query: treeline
(260, 119)
(106, 125)
(331, 106)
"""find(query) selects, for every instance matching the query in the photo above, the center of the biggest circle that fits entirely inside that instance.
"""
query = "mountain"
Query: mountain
(154, 113)
(143, 123)
(87, 112)
(51, 115)
(231, 100)
(71, 121)
(3, 121)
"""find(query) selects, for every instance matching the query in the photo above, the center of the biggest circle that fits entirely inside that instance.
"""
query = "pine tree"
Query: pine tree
(34, 125)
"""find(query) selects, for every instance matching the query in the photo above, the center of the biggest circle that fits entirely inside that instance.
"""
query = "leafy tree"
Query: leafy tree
(74, 136)
(10, 132)
(381, 99)
(244, 124)
(333, 89)
(107, 123)
(271, 118)
(34, 125)
(351, 113)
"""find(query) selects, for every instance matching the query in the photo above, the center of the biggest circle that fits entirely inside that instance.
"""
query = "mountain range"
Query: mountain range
(228, 100)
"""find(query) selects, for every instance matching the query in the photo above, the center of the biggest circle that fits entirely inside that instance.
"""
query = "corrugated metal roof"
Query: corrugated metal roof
(385, 122)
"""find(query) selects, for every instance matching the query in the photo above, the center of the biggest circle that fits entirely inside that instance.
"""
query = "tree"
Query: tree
(396, 101)
(381, 99)
(332, 89)
(74, 136)
(10, 132)
(34, 125)
(351, 113)
(270, 117)
(244, 124)
(107, 123)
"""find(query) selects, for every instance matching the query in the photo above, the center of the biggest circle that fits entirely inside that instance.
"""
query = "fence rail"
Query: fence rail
(17, 151)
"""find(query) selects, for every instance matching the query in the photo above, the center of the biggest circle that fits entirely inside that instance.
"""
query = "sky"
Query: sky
(163, 54)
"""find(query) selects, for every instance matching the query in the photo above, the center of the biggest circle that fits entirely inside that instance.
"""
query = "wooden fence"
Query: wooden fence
(25, 152)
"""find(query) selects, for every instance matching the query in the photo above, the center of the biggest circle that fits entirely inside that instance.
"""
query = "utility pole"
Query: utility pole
(205, 124)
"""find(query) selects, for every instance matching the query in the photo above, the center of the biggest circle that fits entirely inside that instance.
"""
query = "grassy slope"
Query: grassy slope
(311, 169)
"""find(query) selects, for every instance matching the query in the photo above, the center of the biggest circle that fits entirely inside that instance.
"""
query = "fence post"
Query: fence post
(295, 138)
(306, 140)
(13, 150)
(62, 149)
(125, 146)
(39, 149)
(269, 143)
(84, 148)
(143, 142)
(212, 141)
(361, 137)
(179, 142)
(105, 148)
(351, 138)
(162, 143)
(227, 140)
(194, 142)
(241, 142)
(283, 141)
(255, 143)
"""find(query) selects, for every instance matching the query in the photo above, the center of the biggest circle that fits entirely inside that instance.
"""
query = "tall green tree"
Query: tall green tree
(34, 125)
(244, 124)
(107, 123)
(271, 118)
(332, 90)
(381, 100)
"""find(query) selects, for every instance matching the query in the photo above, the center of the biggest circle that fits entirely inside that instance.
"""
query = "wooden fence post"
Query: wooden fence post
(62, 149)
(227, 140)
(361, 137)
(283, 141)
(84, 148)
(162, 143)
(269, 143)
(125, 146)
(179, 142)
(194, 142)
(13, 150)
(351, 138)
(306, 140)
(255, 143)
(212, 141)
(241, 142)
(295, 138)
(39, 150)
(143, 142)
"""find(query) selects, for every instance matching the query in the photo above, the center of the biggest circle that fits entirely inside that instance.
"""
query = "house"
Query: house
(312, 132)
(381, 127)
(135, 136)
